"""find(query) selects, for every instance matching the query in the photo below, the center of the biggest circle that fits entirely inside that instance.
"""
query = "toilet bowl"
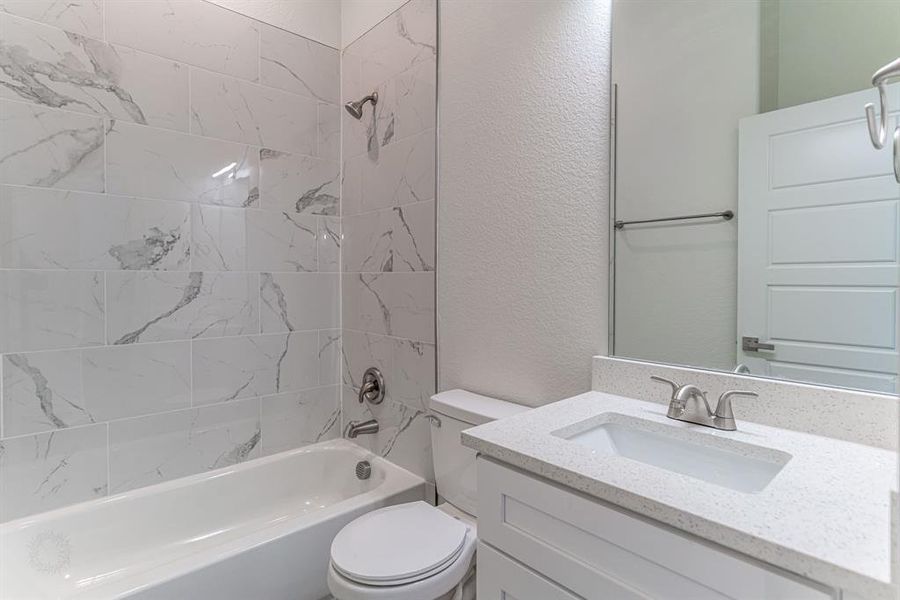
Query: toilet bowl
(416, 551)
(409, 551)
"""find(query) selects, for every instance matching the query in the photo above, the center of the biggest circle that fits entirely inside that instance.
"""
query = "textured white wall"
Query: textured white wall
(676, 284)
(358, 16)
(523, 196)
(318, 20)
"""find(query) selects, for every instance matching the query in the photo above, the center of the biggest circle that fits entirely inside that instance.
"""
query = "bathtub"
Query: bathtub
(256, 531)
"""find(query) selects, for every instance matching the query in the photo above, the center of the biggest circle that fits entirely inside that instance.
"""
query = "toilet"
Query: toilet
(416, 551)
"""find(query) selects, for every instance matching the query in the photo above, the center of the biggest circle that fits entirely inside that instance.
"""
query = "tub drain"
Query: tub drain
(363, 469)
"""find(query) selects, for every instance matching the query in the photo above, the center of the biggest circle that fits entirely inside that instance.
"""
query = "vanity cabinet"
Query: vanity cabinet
(541, 541)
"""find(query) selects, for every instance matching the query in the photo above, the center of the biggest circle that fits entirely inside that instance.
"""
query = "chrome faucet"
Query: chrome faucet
(355, 428)
(689, 404)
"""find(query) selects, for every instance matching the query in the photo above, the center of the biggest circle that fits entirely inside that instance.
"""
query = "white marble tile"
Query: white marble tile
(249, 366)
(351, 187)
(413, 237)
(299, 184)
(58, 389)
(396, 304)
(50, 148)
(404, 435)
(403, 172)
(156, 448)
(299, 301)
(329, 356)
(43, 310)
(43, 391)
(231, 109)
(359, 351)
(298, 419)
(398, 239)
(407, 105)
(50, 470)
(218, 238)
(367, 242)
(139, 379)
(191, 31)
(84, 17)
(154, 163)
(398, 174)
(281, 241)
(54, 68)
(156, 306)
(398, 44)
(329, 137)
(329, 244)
(412, 305)
(413, 378)
(56, 229)
(296, 64)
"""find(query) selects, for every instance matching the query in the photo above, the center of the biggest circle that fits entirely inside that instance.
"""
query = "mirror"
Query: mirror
(752, 112)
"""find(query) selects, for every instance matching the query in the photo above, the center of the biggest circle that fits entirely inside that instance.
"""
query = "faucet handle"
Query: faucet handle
(724, 413)
(675, 386)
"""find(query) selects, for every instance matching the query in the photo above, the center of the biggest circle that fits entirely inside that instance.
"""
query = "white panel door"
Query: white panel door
(819, 245)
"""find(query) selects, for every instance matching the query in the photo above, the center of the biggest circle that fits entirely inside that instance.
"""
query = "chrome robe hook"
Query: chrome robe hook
(878, 129)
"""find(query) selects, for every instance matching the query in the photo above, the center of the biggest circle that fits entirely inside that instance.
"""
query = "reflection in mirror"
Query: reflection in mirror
(752, 114)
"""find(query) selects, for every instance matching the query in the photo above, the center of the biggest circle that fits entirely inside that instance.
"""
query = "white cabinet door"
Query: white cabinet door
(818, 249)
(602, 553)
(501, 578)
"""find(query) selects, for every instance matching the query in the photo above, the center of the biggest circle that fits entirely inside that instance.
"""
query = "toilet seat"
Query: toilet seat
(398, 544)
(404, 552)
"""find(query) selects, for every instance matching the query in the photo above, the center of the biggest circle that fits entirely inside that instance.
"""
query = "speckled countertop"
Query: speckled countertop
(825, 516)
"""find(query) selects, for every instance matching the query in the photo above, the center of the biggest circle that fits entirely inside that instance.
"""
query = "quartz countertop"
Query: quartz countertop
(826, 516)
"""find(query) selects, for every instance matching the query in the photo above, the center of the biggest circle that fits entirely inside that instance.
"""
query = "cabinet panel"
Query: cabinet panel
(501, 578)
(579, 541)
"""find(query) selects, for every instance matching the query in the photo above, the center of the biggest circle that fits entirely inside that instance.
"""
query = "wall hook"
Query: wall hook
(878, 129)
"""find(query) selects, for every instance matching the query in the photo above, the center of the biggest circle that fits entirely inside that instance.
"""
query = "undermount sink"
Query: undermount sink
(725, 462)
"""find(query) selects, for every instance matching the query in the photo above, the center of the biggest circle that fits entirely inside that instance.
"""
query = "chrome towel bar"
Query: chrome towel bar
(725, 214)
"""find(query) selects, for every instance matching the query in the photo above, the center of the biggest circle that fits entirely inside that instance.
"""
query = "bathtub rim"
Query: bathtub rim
(397, 481)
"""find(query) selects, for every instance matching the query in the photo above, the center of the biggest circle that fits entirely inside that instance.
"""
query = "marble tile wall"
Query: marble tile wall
(388, 226)
(170, 239)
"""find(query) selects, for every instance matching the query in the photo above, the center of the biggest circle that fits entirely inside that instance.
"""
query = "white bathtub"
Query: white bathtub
(257, 531)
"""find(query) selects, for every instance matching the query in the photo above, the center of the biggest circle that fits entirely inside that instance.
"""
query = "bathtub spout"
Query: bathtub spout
(355, 428)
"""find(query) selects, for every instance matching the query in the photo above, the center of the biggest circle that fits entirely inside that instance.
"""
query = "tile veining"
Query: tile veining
(59, 69)
(50, 148)
(169, 257)
(386, 235)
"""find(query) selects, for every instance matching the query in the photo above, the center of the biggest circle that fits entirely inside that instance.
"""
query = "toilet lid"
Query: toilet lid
(398, 544)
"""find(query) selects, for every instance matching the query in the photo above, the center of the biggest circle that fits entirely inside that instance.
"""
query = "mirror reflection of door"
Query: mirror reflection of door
(756, 107)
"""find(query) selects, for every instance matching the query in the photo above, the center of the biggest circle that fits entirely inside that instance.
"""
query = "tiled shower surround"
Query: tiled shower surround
(169, 245)
(388, 219)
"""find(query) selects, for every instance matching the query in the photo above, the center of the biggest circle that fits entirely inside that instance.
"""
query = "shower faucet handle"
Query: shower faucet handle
(372, 388)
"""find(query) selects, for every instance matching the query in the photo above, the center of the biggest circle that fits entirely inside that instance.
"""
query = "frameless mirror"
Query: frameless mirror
(755, 222)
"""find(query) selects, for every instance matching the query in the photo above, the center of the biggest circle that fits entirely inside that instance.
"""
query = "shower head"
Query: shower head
(356, 108)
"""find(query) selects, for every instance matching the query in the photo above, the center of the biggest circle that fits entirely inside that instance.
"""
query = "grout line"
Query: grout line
(108, 460)
(189, 133)
(105, 316)
(191, 372)
(205, 406)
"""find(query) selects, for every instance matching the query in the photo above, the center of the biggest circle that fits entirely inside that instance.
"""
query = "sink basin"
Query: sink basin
(725, 462)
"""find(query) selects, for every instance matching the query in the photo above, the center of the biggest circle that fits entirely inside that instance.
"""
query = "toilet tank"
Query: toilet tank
(454, 464)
